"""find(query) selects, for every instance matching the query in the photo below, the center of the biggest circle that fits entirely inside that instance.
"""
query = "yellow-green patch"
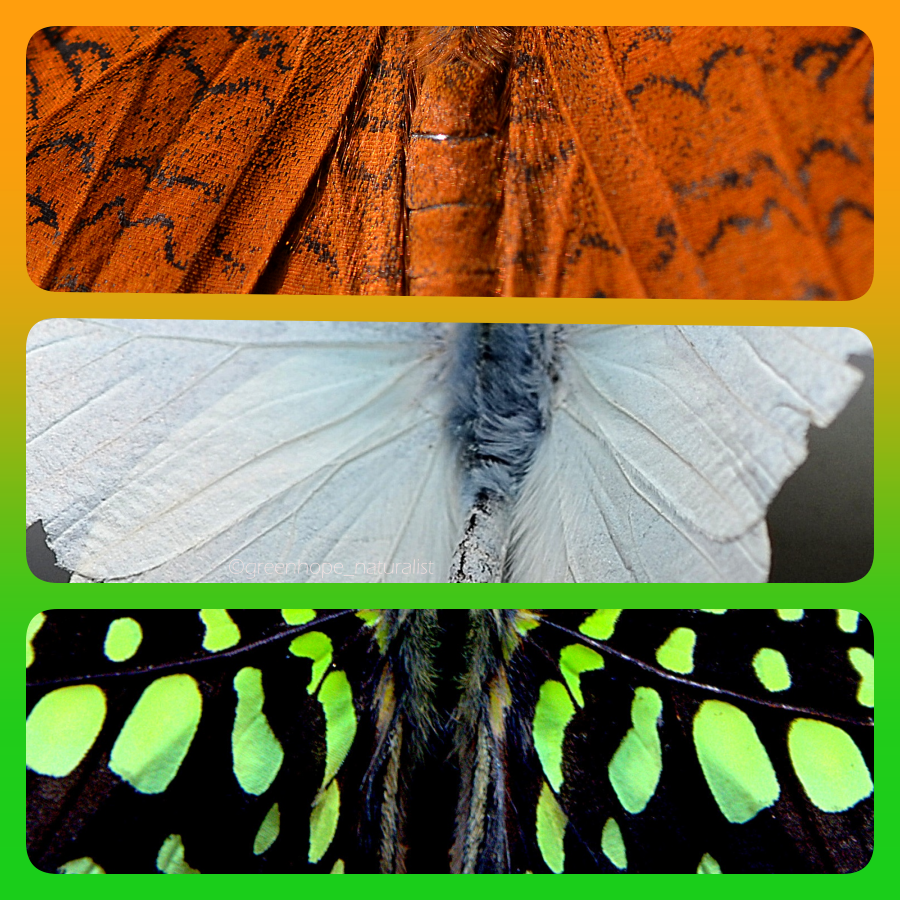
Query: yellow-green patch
(526, 620)
(338, 868)
(256, 752)
(123, 638)
(83, 866)
(864, 663)
(551, 830)
(158, 734)
(715, 612)
(613, 845)
(790, 615)
(574, 661)
(734, 761)
(708, 866)
(601, 624)
(170, 859)
(636, 766)
(315, 646)
(298, 616)
(771, 669)
(34, 626)
(62, 727)
(221, 632)
(553, 712)
(677, 653)
(848, 620)
(829, 765)
(336, 698)
(268, 831)
(324, 821)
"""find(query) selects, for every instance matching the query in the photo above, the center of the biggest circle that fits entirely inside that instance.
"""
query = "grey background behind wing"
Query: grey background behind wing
(821, 524)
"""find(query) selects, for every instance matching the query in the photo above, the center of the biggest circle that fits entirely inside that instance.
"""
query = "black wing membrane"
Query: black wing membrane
(713, 695)
(434, 741)
(94, 813)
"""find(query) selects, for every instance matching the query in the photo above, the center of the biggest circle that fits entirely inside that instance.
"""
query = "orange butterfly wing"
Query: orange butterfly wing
(696, 162)
(179, 166)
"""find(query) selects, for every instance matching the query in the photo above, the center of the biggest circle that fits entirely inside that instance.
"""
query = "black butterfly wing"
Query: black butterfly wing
(681, 759)
(231, 810)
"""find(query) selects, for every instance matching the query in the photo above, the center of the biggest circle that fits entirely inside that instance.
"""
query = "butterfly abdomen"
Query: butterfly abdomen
(454, 160)
(501, 382)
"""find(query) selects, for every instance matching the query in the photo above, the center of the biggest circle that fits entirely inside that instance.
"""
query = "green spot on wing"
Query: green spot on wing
(316, 646)
(715, 612)
(790, 615)
(734, 761)
(677, 653)
(829, 765)
(62, 727)
(170, 859)
(34, 626)
(601, 624)
(635, 768)
(551, 830)
(848, 620)
(552, 714)
(574, 661)
(708, 866)
(336, 698)
(158, 733)
(256, 751)
(221, 632)
(864, 663)
(338, 868)
(374, 620)
(298, 616)
(771, 669)
(323, 821)
(83, 866)
(268, 831)
(613, 845)
(526, 620)
(122, 639)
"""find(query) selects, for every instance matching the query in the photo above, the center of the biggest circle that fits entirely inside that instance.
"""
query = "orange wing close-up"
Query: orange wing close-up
(718, 162)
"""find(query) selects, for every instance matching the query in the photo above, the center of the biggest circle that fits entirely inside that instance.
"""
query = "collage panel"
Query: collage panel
(224, 451)
(584, 162)
(467, 740)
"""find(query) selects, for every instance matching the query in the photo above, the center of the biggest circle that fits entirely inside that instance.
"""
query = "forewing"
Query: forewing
(253, 719)
(666, 446)
(241, 451)
(175, 158)
(690, 162)
(708, 740)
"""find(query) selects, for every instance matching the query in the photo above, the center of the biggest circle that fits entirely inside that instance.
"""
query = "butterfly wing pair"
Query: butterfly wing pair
(626, 162)
(474, 740)
(250, 451)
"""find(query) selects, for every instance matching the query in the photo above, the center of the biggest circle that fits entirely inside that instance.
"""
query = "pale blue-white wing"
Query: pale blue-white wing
(666, 446)
(241, 451)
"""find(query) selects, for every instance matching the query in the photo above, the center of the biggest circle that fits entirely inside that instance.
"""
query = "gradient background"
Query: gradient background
(876, 314)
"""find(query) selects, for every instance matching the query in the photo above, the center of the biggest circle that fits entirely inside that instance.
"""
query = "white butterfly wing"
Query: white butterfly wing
(666, 446)
(239, 451)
